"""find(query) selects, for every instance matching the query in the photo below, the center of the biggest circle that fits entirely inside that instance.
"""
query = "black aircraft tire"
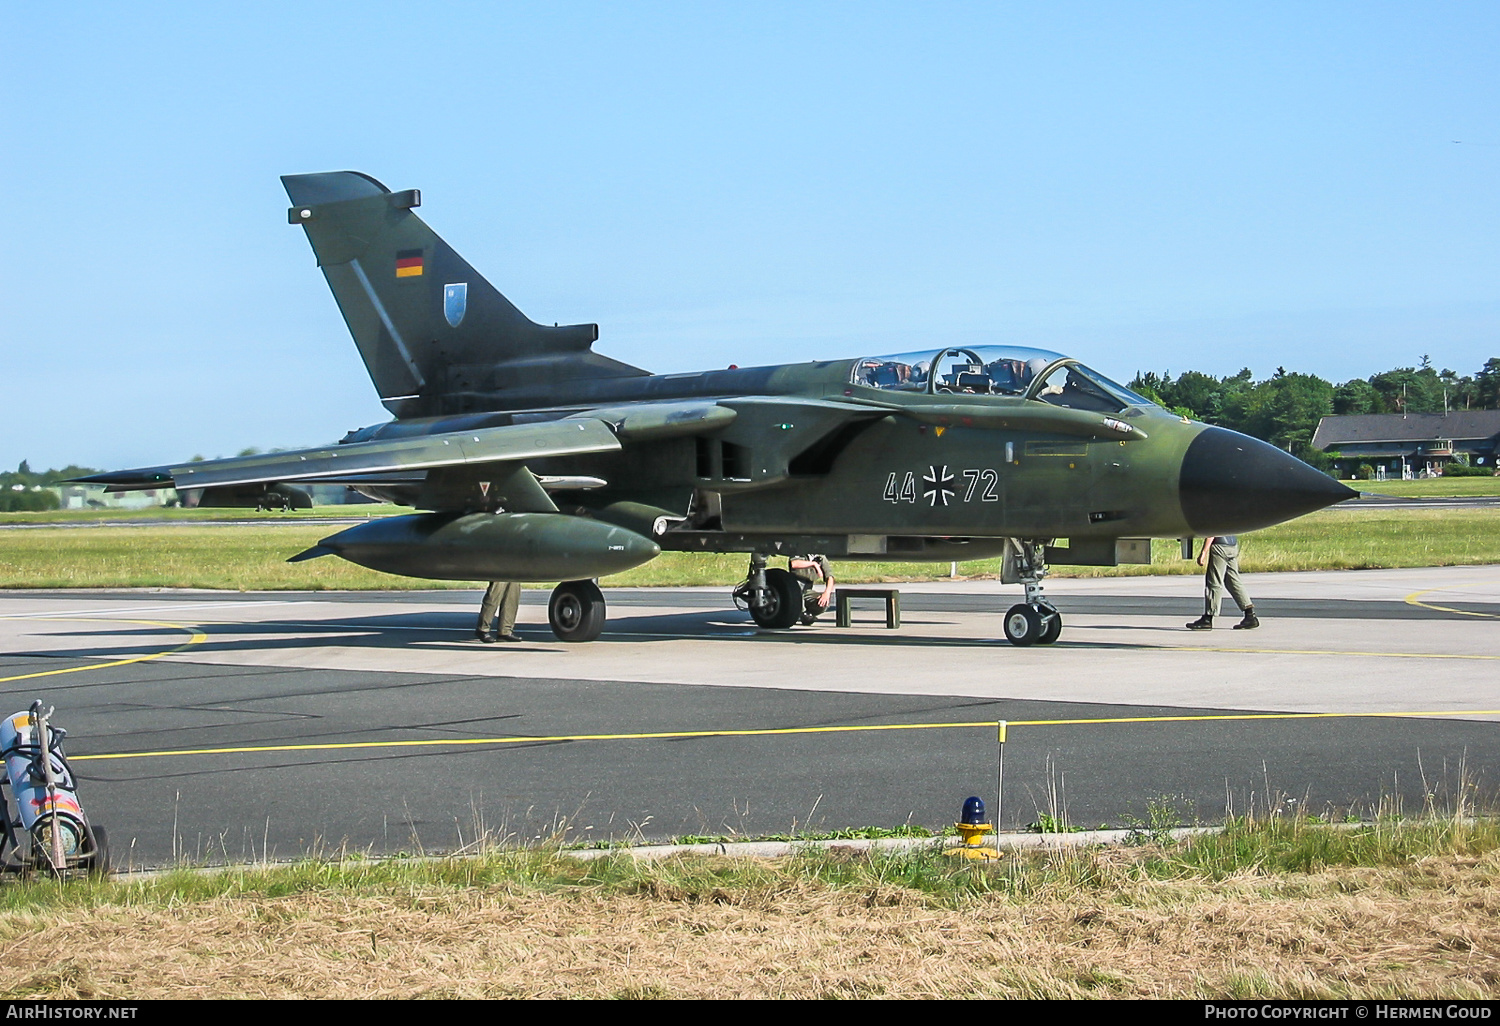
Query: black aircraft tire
(783, 606)
(1051, 629)
(576, 611)
(1023, 625)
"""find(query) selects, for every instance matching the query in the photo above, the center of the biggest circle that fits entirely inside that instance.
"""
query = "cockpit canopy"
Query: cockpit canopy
(1014, 371)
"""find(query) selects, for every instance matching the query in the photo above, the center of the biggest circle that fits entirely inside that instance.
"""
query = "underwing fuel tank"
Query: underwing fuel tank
(489, 547)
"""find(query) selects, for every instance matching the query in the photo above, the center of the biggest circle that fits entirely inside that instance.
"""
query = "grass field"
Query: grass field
(253, 558)
(1451, 486)
(1276, 909)
(172, 515)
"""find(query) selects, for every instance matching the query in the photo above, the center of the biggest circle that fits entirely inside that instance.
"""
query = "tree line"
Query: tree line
(27, 490)
(18, 488)
(1284, 409)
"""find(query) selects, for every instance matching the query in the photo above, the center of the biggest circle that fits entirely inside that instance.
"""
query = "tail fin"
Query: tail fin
(433, 333)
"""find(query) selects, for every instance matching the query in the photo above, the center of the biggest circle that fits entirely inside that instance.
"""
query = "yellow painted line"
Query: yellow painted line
(198, 637)
(1403, 714)
(1415, 599)
(469, 741)
(770, 731)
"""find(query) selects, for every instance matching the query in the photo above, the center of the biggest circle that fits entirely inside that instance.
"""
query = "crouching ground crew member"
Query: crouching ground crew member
(502, 598)
(813, 570)
(1223, 555)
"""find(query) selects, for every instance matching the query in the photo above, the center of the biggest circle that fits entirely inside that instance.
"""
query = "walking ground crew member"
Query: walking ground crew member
(1223, 555)
(502, 598)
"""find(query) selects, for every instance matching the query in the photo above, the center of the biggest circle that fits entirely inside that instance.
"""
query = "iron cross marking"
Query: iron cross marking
(938, 484)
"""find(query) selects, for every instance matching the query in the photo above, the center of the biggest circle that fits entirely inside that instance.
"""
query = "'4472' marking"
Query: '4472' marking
(940, 487)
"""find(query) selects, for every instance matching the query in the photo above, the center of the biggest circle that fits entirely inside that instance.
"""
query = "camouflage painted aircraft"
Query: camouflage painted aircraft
(537, 459)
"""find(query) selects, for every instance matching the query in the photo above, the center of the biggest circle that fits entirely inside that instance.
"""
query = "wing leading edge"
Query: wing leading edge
(508, 444)
(593, 431)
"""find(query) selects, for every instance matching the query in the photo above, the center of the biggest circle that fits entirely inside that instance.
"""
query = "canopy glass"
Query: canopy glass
(1015, 371)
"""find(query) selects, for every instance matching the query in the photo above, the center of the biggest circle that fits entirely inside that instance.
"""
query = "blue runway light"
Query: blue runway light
(973, 811)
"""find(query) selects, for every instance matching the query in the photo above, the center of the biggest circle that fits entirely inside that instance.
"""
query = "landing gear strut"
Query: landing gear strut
(1035, 621)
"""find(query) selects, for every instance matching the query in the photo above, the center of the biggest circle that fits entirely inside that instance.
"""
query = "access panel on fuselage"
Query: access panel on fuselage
(1051, 485)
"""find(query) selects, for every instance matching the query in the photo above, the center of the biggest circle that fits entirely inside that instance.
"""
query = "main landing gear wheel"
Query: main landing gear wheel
(576, 611)
(783, 601)
(1023, 625)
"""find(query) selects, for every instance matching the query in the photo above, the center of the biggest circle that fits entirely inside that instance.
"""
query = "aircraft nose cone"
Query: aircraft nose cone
(1231, 483)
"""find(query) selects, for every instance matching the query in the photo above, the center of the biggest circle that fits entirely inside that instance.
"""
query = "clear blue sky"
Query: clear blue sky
(1146, 186)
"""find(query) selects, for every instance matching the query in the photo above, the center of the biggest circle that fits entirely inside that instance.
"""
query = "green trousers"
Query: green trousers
(501, 598)
(1223, 571)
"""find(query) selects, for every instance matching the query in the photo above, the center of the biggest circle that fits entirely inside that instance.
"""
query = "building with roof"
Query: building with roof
(91, 496)
(1405, 445)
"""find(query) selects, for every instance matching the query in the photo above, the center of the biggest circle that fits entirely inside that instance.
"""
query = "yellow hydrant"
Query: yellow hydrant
(972, 828)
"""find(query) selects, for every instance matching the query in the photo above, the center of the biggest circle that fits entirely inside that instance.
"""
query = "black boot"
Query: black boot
(1250, 622)
(485, 636)
(1203, 623)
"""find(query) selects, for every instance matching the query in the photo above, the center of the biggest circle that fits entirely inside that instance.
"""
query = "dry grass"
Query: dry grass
(1098, 927)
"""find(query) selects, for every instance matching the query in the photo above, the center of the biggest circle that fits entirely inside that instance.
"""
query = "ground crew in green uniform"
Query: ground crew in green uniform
(1223, 556)
(502, 599)
(813, 570)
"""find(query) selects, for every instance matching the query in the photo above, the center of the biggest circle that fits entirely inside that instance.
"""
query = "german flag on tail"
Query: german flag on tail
(409, 263)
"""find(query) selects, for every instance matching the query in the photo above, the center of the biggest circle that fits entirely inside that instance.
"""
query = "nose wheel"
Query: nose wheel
(1032, 625)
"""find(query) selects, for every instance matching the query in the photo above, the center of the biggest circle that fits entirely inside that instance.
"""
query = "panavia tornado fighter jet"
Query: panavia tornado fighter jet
(530, 457)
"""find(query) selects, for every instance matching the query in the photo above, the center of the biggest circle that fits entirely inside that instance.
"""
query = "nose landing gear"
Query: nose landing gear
(1035, 621)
